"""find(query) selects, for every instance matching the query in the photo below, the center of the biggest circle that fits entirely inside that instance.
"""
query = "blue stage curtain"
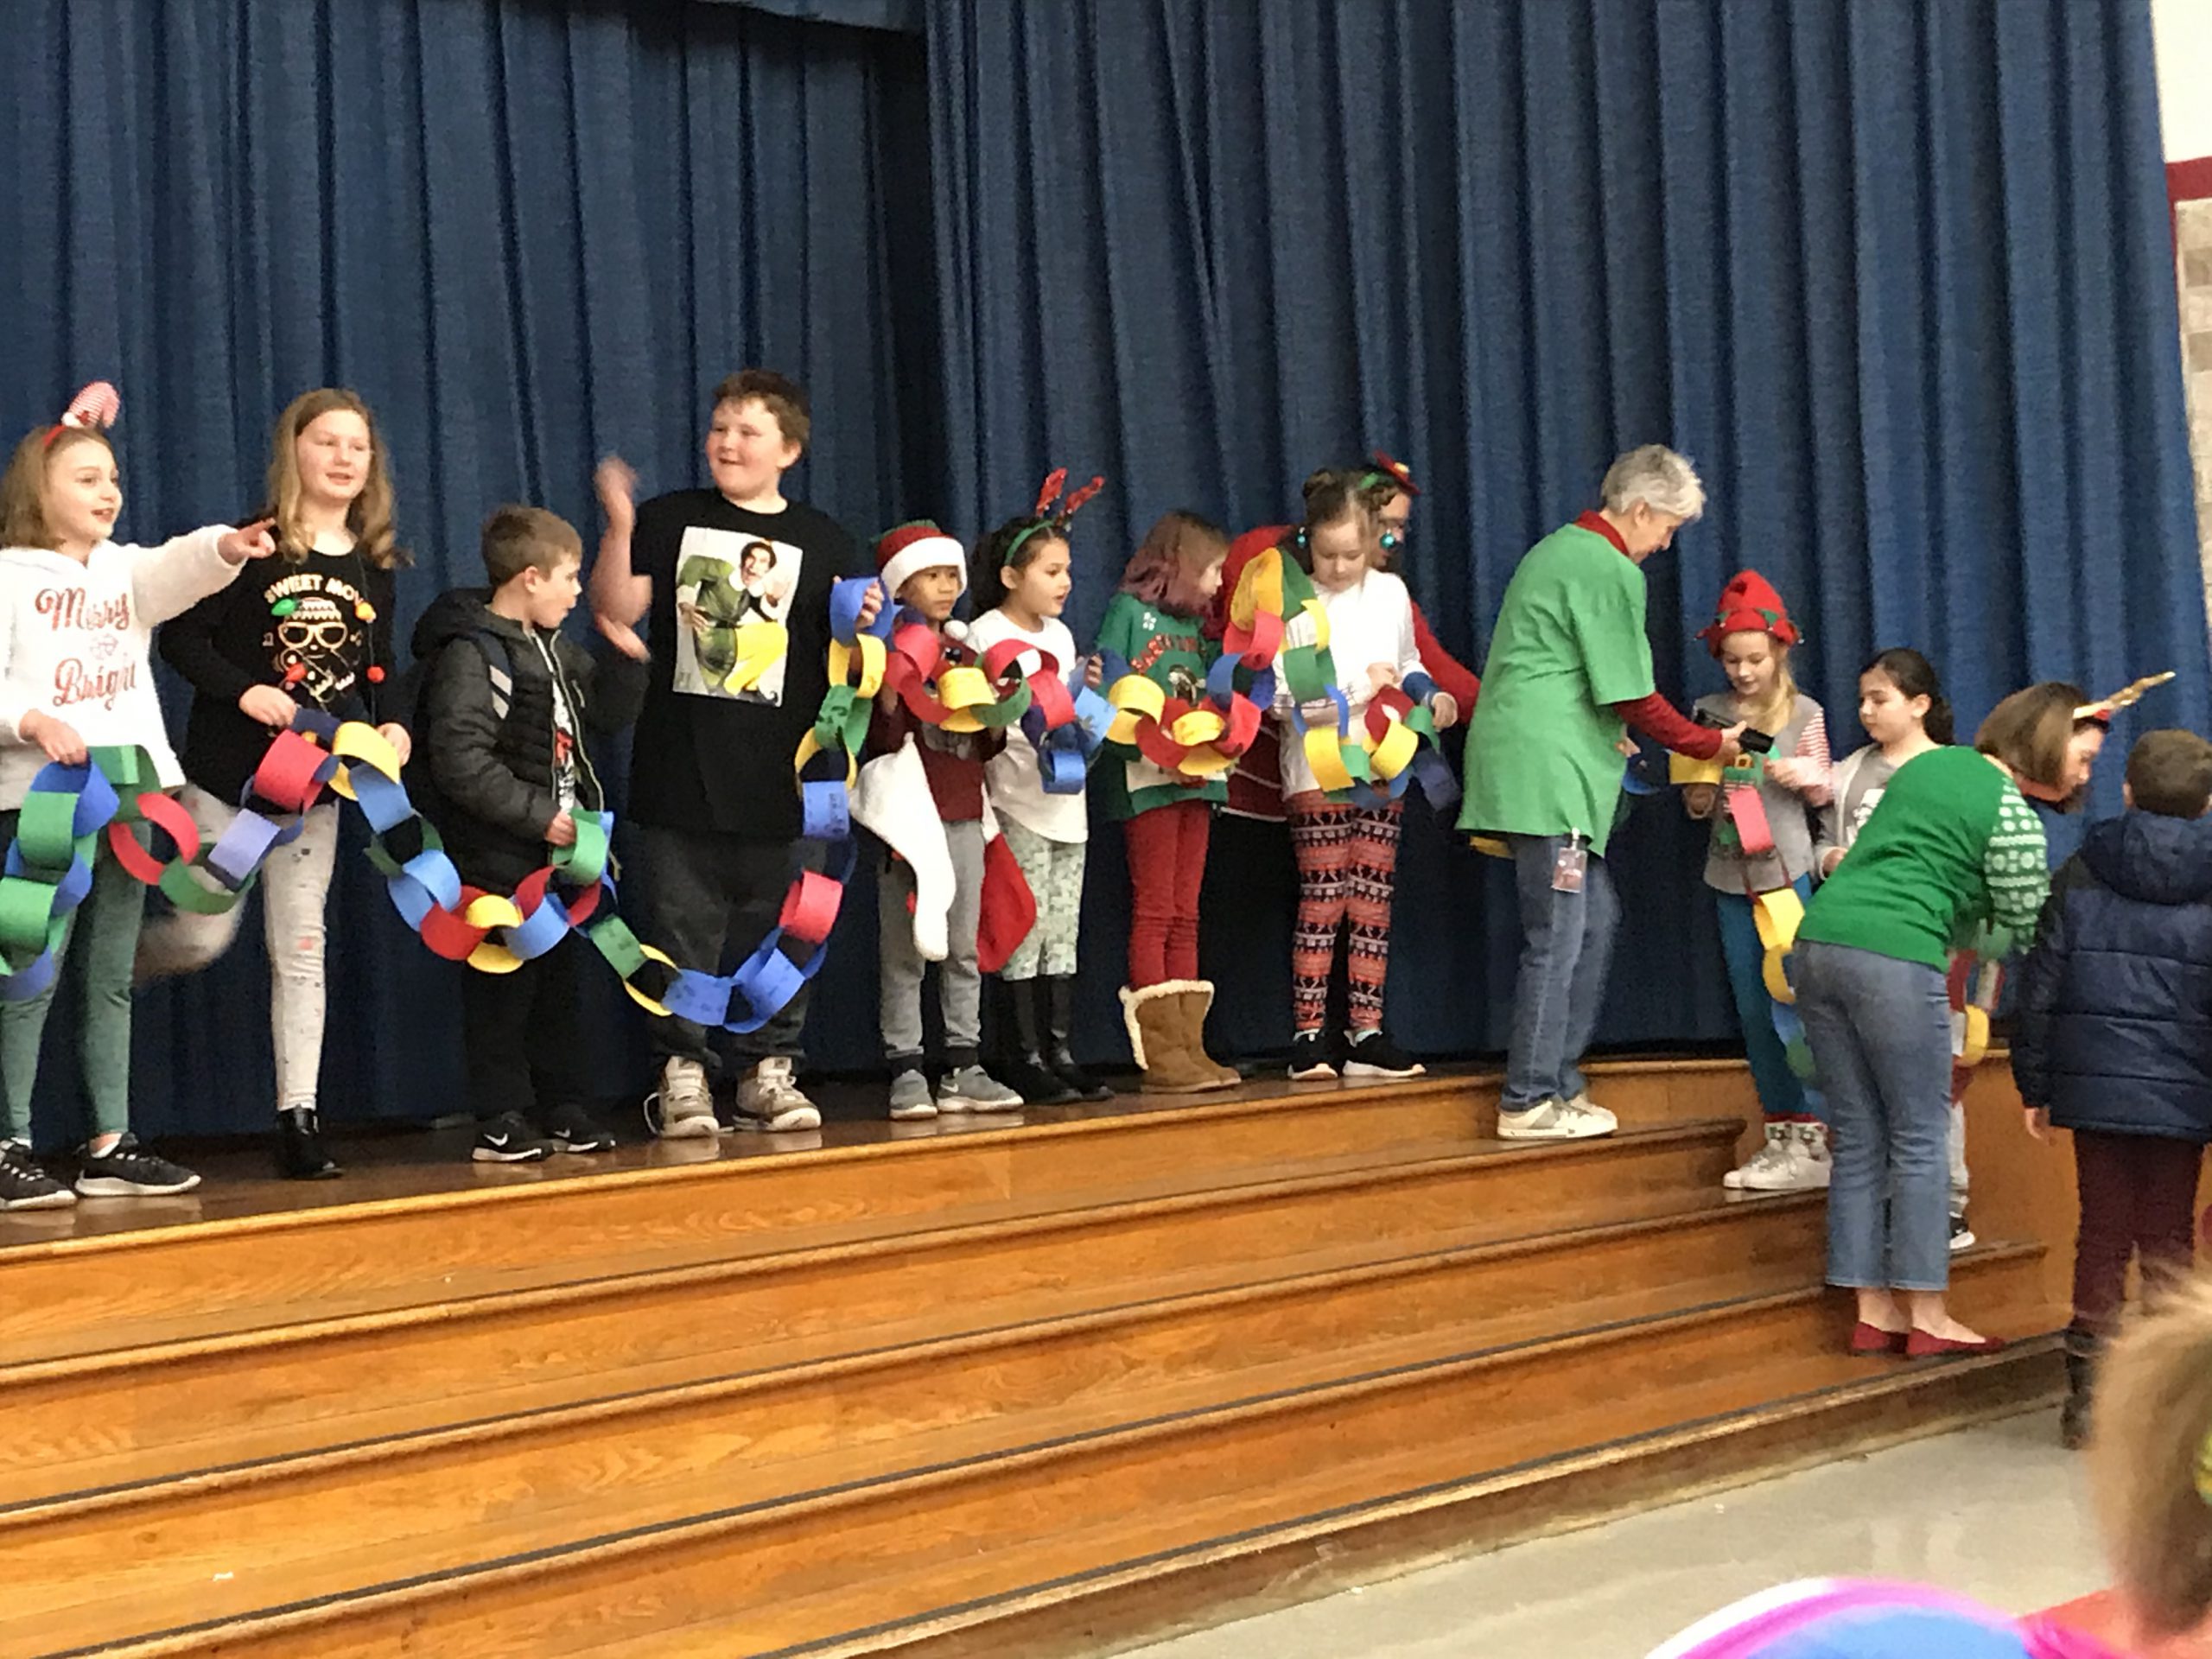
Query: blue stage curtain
(1897, 277)
(528, 234)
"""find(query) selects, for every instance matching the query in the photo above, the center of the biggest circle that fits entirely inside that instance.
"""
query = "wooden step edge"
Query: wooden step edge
(1038, 1456)
(1051, 1214)
(1177, 1592)
(661, 1403)
(1297, 1097)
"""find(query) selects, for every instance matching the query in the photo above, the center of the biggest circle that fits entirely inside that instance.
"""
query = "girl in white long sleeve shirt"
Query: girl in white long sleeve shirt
(1347, 855)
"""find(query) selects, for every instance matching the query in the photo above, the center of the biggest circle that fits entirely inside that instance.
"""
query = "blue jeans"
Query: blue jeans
(1566, 951)
(1769, 1026)
(1881, 1035)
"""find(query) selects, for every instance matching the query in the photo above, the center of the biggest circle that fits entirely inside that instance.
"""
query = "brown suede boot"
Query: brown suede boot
(1154, 1018)
(1196, 1001)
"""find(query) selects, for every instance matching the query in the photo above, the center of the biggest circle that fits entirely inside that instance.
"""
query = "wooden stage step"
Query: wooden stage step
(867, 1424)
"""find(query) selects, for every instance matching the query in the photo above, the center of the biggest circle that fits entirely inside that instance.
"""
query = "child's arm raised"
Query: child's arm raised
(169, 580)
(464, 734)
(619, 595)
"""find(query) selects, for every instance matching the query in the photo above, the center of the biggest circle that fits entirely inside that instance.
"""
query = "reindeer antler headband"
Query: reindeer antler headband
(1047, 518)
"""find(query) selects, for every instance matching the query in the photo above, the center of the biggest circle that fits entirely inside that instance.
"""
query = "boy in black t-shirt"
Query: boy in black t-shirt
(736, 580)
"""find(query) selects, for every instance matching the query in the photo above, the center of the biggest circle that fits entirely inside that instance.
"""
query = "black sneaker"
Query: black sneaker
(128, 1171)
(572, 1129)
(25, 1186)
(508, 1138)
(1373, 1055)
(1309, 1058)
(1962, 1235)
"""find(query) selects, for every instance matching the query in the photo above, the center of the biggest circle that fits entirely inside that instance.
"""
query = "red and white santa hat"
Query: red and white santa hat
(902, 551)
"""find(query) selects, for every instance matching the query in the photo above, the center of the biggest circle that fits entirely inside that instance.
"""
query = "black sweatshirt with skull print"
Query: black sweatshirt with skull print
(317, 626)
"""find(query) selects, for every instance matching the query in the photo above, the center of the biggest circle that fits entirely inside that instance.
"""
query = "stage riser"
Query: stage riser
(438, 1367)
(79, 1295)
(448, 1502)
(806, 1573)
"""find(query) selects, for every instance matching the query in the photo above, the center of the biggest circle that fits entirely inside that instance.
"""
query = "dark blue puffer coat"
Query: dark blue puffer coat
(2112, 1027)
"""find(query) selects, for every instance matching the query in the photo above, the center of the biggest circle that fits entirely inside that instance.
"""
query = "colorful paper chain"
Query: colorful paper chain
(48, 866)
(1275, 619)
(948, 685)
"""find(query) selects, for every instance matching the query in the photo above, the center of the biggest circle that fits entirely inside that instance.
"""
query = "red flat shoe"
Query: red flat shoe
(1926, 1344)
(1872, 1339)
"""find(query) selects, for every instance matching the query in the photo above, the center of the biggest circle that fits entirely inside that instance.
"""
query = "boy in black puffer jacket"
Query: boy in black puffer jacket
(499, 741)
(2113, 1038)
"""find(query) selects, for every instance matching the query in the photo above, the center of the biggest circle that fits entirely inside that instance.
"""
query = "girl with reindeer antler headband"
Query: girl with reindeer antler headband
(1022, 579)
(81, 611)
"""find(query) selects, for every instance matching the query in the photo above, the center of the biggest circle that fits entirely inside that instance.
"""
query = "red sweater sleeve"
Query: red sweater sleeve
(1657, 718)
(1451, 676)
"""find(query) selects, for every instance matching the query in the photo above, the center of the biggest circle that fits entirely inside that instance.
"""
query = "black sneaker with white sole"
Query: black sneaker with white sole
(1373, 1055)
(509, 1139)
(1962, 1235)
(25, 1186)
(573, 1129)
(1309, 1058)
(127, 1169)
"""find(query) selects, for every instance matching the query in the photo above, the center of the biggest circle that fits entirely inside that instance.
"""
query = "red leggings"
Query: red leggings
(1347, 869)
(1168, 866)
(2138, 1198)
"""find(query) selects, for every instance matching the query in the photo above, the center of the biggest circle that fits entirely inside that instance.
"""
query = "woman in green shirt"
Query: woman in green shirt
(1952, 850)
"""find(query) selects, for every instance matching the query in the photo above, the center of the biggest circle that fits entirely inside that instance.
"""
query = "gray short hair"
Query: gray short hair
(1657, 476)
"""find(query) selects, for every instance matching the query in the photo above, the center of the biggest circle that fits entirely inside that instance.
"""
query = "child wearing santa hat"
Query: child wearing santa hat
(922, 792)
(1764, 820)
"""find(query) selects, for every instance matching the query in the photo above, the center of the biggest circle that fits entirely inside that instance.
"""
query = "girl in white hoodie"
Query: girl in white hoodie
(77, 615)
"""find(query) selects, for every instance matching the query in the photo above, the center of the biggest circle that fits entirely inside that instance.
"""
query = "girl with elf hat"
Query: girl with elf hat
(921, 789)
(1764, 811)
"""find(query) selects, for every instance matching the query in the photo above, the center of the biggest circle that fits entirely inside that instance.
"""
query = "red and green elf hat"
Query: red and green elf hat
(1750, 604)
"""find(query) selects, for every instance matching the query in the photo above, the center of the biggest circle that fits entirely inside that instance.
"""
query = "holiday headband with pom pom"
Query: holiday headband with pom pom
(93, 410)
(1049, 519)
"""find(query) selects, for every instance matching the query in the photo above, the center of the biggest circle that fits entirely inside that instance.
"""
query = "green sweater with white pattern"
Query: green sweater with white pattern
(1952, 850)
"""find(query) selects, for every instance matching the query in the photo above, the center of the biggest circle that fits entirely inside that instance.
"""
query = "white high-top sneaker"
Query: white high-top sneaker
(682, 1109)
(1767, 1160)
(1803, 1166)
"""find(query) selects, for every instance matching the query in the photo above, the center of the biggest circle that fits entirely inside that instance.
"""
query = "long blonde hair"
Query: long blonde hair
(1773, 711)
(2149, 1462)
(369, 517)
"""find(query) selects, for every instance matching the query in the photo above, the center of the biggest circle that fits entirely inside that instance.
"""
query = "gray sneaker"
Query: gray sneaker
(681, 1108)
(910, 1097)
(972, 1088)
(769, 1100)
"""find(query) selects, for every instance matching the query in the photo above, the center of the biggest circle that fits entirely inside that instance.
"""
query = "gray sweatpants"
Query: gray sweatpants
(960, 985)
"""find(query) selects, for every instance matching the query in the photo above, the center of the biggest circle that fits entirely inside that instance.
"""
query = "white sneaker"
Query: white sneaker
(1803, 1166)
(1552, 1119)
(681, 1109)
(1766, 1159)
(1589, 1108)
(771, 1101)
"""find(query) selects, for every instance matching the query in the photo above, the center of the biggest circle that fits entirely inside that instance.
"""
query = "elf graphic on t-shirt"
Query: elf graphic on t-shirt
(733, 594)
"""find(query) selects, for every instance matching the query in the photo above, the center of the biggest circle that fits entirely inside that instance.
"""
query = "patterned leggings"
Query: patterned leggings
(1054, 872)
(1347, 864)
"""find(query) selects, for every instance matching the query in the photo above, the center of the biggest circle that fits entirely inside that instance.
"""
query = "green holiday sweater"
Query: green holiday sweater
(1952, 847)
(1173, 652)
